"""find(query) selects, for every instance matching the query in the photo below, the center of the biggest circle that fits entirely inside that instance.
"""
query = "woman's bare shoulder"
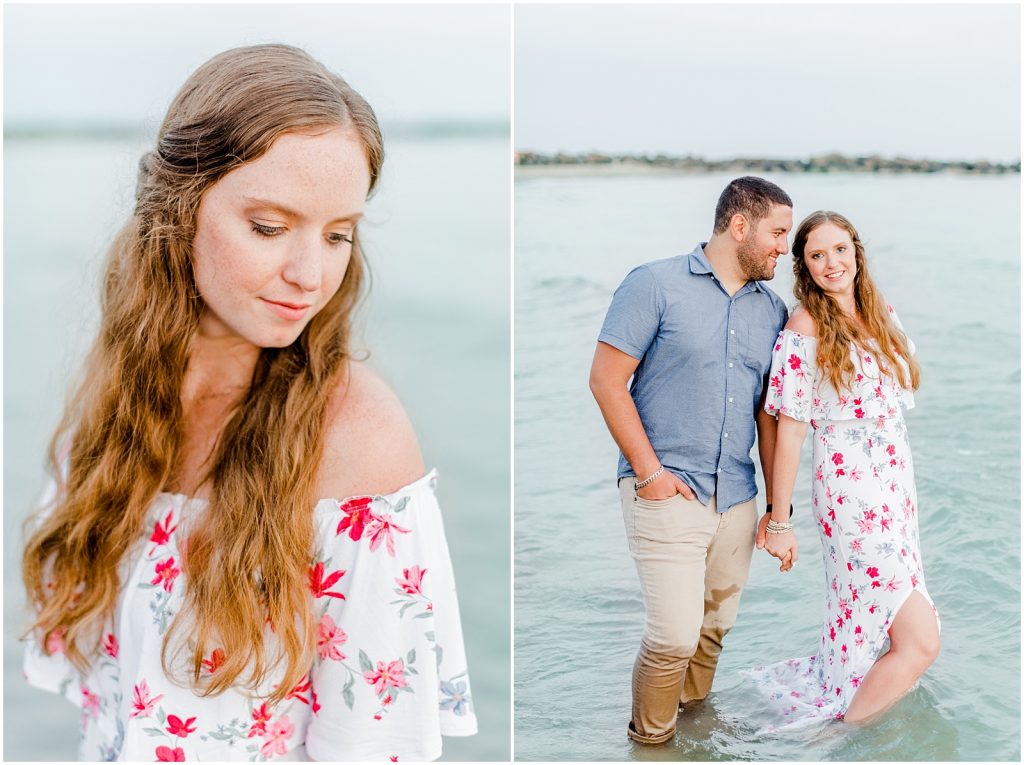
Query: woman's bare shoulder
(801, 321)
(370, 446)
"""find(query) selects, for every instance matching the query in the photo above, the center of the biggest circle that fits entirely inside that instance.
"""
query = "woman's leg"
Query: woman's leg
(913, 646)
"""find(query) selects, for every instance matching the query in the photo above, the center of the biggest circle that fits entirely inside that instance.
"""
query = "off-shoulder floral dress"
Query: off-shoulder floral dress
(865, 505)
(389, 675)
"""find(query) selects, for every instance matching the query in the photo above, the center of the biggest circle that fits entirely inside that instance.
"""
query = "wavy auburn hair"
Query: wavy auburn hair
(248, 559)
(835, 330)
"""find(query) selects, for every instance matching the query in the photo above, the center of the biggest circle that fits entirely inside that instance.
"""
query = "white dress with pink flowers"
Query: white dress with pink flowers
(388, 680)
(865, 505)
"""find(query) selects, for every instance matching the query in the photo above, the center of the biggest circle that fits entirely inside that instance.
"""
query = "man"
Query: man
(695, 332)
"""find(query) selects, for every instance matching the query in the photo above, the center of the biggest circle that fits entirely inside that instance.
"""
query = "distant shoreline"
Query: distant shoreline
(530, 164)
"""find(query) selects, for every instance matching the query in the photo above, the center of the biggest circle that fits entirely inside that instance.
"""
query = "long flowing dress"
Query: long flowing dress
(389, 674)
(865, 505)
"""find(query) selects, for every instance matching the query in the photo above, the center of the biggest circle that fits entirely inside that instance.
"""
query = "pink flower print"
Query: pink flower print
(832, 633)
(826, 528)
(215, 662)
(885, 522)
(329, 640)
(837, 458)
(380, 529)
(893, 584)
(858, 636)
(166, 573)
(260, 718)
(855, 682)
(315, 706)
(55, 640)
(913, 581)
(866, 525)
(321, 587)
(306, 684)
(388, 675)
(890, 449)
(162, 531)
(872, 572)
(776, 383)
(856, 474)
(820, 474)
(874, 584)
(858, 413)
(166, 754)
(275, 740)
(178, 728)
(795, 361)
(393, 758)
(357, 511)
(90, 703)
(840, 471)
(413, 580)
(110, 645)
(141, 702)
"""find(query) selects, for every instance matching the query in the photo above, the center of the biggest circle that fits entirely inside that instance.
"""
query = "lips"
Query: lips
(836, 276)
(285, 310)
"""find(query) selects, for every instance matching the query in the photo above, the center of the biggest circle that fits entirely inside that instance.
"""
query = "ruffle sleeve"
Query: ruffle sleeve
(390, 673)
(53, 672)
(791, 380)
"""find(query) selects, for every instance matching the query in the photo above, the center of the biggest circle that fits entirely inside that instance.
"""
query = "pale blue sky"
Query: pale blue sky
(123, 63)
(780, 80)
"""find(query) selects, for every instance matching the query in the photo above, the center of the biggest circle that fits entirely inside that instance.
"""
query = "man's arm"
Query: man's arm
(766, 430)
(609, 375)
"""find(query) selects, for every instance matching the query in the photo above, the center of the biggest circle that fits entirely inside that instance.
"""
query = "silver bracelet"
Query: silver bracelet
(777, 531)
(778, 527)
(654, 475)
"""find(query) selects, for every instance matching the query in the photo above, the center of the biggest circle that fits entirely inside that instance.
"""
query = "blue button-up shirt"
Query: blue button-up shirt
(704, 359)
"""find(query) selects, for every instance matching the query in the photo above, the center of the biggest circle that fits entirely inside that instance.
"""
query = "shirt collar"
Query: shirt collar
(699, 264)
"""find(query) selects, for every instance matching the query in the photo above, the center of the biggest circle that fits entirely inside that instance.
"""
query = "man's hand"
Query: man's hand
(783, 547)
(761, 533)
(665, 486)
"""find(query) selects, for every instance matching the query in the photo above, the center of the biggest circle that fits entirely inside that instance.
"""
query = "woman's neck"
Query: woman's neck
(218, 367)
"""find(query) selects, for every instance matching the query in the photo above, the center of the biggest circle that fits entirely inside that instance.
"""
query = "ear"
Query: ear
(739, 227)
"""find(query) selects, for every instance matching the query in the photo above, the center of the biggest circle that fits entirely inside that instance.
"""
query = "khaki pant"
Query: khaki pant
(693, 562)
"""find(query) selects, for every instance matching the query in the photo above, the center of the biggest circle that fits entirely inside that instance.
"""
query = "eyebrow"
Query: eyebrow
(270, 203)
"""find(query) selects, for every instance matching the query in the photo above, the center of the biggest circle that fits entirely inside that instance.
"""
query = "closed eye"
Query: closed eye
(339, 239)
(267, 231)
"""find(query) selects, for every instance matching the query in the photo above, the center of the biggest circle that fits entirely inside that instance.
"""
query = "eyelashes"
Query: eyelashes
(269, 232)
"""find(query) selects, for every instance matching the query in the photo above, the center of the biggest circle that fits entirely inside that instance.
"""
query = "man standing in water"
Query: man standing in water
(695, 332)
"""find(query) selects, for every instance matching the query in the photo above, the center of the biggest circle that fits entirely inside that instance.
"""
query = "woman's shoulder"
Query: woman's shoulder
(802, 322)
(369, 443)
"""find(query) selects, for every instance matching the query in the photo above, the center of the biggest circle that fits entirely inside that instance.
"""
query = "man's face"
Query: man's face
(766, 240)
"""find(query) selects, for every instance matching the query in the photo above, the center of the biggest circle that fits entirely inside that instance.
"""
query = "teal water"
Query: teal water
(945, 251)
(437, 325)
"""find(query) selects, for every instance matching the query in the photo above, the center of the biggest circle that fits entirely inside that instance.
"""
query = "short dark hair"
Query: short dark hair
(751, 197)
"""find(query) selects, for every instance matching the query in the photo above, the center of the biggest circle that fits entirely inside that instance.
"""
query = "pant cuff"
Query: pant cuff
(661, 738)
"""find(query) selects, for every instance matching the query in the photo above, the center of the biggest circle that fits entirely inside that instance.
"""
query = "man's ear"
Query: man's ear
(739, 227)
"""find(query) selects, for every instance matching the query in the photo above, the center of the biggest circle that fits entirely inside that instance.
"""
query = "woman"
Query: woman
(241, 557)
(844, 364)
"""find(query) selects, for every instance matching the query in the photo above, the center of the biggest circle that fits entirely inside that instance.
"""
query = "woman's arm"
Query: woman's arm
(789, 438)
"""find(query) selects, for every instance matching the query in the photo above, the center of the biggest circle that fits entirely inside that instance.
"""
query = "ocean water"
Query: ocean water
(436, 324)
(945, 252)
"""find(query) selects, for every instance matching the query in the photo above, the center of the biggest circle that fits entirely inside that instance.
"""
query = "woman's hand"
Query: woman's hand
(665, 486)
(783, 547)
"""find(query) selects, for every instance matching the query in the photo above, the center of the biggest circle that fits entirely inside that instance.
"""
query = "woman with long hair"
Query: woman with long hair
(241, 555)
(844, 364)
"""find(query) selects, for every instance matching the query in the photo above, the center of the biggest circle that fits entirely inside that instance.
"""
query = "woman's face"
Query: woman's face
(274, 237)
(831, 259)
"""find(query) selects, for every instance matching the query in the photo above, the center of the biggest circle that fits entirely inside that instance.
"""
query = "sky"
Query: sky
(774, 80)
(122, 64)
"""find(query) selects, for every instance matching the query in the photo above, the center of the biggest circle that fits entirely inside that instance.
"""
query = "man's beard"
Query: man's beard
(755, 268)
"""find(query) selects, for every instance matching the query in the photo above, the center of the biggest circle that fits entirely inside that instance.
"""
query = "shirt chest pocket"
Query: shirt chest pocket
(758, 342)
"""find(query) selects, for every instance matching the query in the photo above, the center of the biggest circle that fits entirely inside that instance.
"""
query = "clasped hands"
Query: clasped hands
(781, 546)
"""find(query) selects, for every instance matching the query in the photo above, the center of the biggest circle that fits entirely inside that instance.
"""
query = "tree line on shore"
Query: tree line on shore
(818, 164)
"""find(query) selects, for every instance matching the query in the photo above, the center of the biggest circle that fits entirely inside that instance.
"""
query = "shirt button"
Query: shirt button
(719, 471)
(732, 331)
(726, 435)
(730, 399)
(730, 365)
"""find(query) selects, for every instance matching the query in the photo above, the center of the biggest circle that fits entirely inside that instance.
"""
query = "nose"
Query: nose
(782, 246)
(304, 266)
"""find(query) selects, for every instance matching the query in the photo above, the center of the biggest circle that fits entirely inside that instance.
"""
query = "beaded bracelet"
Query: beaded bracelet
(654, 475)
(778, 527)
